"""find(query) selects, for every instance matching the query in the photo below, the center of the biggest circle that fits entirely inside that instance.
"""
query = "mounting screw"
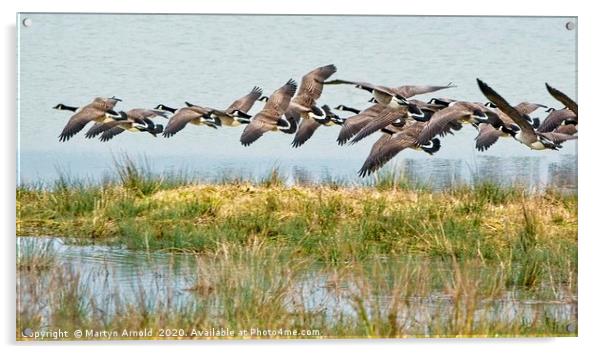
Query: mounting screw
(27, 22)
(570, 25)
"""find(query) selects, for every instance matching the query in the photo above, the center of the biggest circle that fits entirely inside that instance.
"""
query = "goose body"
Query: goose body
(195, 115)
(236, 114)
(100, 110)
(527, 135)
(309, 125)
(457, 112)
(139, 116)
(393, 141)
(270, 117)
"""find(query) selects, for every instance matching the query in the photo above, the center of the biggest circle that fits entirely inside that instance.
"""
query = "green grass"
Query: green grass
(472, 243)
(269, 287)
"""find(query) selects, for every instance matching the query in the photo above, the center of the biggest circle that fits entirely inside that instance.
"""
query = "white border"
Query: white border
(589, 171)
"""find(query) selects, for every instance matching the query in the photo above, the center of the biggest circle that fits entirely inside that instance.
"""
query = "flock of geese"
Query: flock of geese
(404, 122)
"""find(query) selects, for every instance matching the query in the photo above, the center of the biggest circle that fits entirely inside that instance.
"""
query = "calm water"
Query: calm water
(111, 275)
(211, 60)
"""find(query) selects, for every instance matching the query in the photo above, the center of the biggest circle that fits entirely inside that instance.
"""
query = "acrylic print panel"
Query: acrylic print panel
(366, 185)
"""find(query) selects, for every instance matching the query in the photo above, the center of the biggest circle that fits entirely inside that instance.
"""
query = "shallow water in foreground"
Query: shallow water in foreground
(111, 277)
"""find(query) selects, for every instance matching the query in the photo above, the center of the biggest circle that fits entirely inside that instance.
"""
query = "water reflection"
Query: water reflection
(111, 277)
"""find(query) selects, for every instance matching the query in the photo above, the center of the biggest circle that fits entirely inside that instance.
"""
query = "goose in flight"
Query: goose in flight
(526, 134)
(563, 98)
(99, 110)
(237, 113)
(309, 125)
(500, 125)
(181, 117)
(303, 103)
(394, 97)
(270, 117)
(393, 141)
(456, 113)
(134, 120)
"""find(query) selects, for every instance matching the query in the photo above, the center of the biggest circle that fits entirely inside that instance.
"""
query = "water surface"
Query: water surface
(212, 59)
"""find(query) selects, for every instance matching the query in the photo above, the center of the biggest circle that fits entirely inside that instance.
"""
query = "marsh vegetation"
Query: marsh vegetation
(388, 258)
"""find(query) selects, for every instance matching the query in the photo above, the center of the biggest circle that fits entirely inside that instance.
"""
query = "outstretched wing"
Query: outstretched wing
(413, 90)
(385, 118)
(245, 103)
(254, 130)
(488, 135)
(305, 131)
(563, 98)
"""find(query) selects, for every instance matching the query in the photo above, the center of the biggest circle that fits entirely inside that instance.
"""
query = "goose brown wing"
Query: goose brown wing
(145, 113)
(306, 130)
(180, 119)
(355, 123)
(312, 85)
(78, 121)
(413, 90)
(385, 118)
(528, 107)
(440, 123)
(280, 99)
(558, 138)
(260, 124)
(568, 129)
(555, 119)
(362, 85)
(245, 103)
(563, 98)
(488, 135)
(111, 133)
(95, 130)
(504, 106)
(385, 148)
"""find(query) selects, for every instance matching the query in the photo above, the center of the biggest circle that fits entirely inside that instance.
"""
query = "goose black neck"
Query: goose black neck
(70, 108)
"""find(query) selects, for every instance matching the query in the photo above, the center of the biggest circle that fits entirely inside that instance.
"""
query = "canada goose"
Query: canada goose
(236, 113)
(109, 134)
(393, 141)
(525, 108)
(449, 117)
(303, 104)
(416, 110)
(500, 125)
(309, 125)
(391, 96)
(568, 129)
(181, 117)
(389, 116)
(563, 98)
(99, 110)
(557, 118)
(309, 91)
(132, 125)
(270, 117)
(355, 123)
(526, 134)
(131, 120)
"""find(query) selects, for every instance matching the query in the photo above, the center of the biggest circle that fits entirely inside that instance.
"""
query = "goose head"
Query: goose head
(440, 102)
(64, 107)
(162, 107)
